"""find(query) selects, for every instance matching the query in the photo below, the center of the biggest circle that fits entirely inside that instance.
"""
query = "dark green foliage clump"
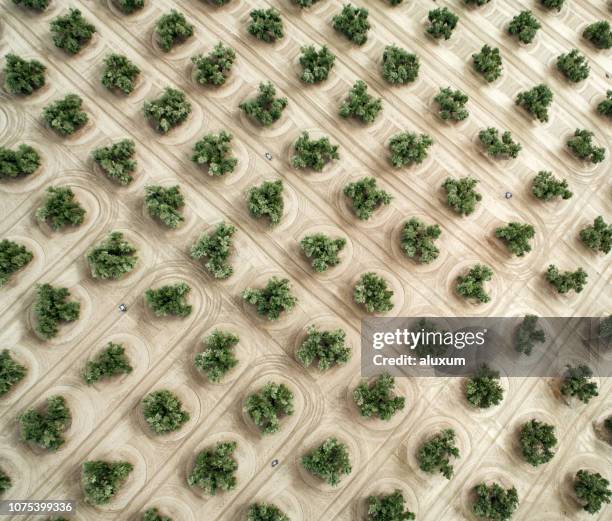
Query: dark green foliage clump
(152, 514)
(316, 64)
(377, 399)
(547, 187)
(597, 237)
(214, 68)
(265, 512)
(18, 163)
(592, 489)
(360, 105)
(265, 108)
(573, 66)
(169, 300)
(409, 148)
(452, 104)
(536, 101)
(119, 73)
(328, 348)
(605, 106)
(605, 328)
(168, 111)
(323, 250)
(34, 5)
(493, 502)
(117, 161)
(516, 237)
(524, 26)
(477, 2)
(577, 382)
(103, 479)
(11, 372)
(581, 144)
(165, 204)
(565, 281)
(552, 4)
(461, 194)
(130, 6)
(214, 150)
(442, 23)
(163, 411)
(214, 249)
(504, 148)
(214, 469)
(366, 197)
(537, 442)
(112, 258)
(172, 29)
(303, 4)
(71, 32)
(608, 424)
(266, 25)
(51, 308)
(599, 34)
(267, 200)
(110, 361)
(13, 257)
(527, 334)
(372, 291)
(389, 507)
(218, 357)
(399, 66)
(272, 300)
(46, 427)
(5, 481)
(23, 77)
(313, 153)
(65, 116)
(353, 23)
(488, 62)
(471, 285)
(433, 347)
(417, 240)
(435, 454)
(268, 405)
(483, 389)
(329, 461)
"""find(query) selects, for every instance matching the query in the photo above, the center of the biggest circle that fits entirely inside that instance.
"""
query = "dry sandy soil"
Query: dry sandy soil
(107, 420)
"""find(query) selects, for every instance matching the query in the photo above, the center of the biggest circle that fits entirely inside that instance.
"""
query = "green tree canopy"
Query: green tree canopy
(214, 151)
(323, 250)
(360, 105)
(418, 240)
(265, 108)
(316, 64)
(597, 237)
(352, 22)
(214, 468)
(376, 399)
(65, 116)
(516, 237)
(60, 208)
(5, 481)
(605, 107)
(13, 257)
(112, 258)
(471, 285)
(119, 73)
(103, 479)
(329, 461)
(272, 300)
(553, 4)
(172, 29)
(373, 293)
(18, 163)
(546, 186)
(435, 454)
(169, 300)
(51, 307)
(117, 161)
(527, 335)
(388, 507)
(71, 31)
(267, 200)
(574, 66)
(23, 77)
(452, 104)
(267, 406)
(488, 62)
(565, 281)
(163, 411)
(524, 26)
(442, 23)
(409, 148)
(130, 6)
(461, 194)
(165, 204)
(494, 502)
(582, 146)
(107, 363)
(399, 66)
(599, 34)
(592, 489)
(577, 383)
(266, 25)
(313, 153)
(218, 357)
(214, 250)
(365, 197)
(34, 5)
(536, 101)
(45, 427)
(483, 390)
(325, 347)
(538, 441)
(152, 514)
(495, 147)
(265, 512)
(168, 111)
(215, 67)
(11, 372)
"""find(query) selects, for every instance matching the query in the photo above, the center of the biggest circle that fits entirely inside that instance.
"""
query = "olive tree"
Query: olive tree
(266, 25)
(5, 481)
(130, 6)
(605, 107)
(215, 67)
(599, 34)
(581, 145)
(168, 111)
(266, 200)
(303, 4)
(484, 389)
(71, 31)
(268, 405)
(163, 411)
(214, 250)
(119, 73)
(494, 502)
(352, 22)
(323, 250)
(495, 147)
(65, 116)
(172, 29)
(45, 427)
(573, 65)
(452, 104)
(409, 148)
(435, 454)
(165, 204)
(316, 64)
(536, 101)
(108, 362)
(325, 347)
(272, 300)
(59, 208)
(112, 258)
(117, 161)
(103, 479)
(373, 293)
(376, 399)
(360, 105)
(51, 308)
(477, 3)
(23, 77)
(329, 461)
(13, 257)
(169, 300)
(34, 5)
(215, 468)
(265, 108)
(265, 512)
(552, 4)
(218, 357)
(516, 237)
(488, 62)
(388, 507)
(524, 26)
(313, 154)
(537, 441)
(23, 161)
(527, 335)
(546, 186)
(597, 237)
(152, 514)
(592, 489)
(461, 194)
(565, 281)
(471, 285)
(11, 372)
(577, 383)
(399, 66)
(214, 150)
(418, 240)
(442, 23)
(365, 197)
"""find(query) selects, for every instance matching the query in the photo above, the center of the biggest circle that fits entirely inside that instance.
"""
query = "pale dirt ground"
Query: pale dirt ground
(107, 421)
